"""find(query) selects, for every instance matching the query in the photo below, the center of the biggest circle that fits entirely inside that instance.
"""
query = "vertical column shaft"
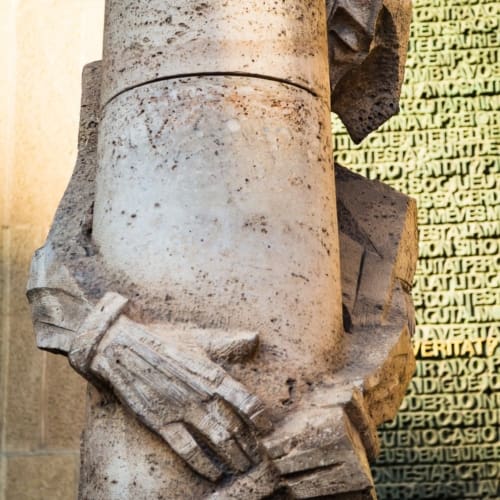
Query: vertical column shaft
(215, 194)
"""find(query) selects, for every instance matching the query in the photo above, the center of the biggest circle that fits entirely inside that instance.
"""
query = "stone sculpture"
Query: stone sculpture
(194, 272)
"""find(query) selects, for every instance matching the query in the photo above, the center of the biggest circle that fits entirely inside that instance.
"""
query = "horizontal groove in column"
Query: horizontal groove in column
(193, 75)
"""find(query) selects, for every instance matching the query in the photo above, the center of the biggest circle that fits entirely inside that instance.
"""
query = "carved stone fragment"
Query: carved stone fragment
(323, 448)
(196, 275)
(368, 44)
(147, 375)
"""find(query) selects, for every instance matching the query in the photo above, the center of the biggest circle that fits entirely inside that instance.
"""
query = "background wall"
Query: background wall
(442, 149)
(43, 46)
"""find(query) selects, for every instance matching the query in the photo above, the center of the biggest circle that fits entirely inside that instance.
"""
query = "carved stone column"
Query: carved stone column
(215, 198)
(193, 274)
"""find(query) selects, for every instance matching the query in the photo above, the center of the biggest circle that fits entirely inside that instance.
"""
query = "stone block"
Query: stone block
(367, 49)
(64, 405)
(320, 453)
(41, 477)
(383, 222)
(4, 325)
(24, 387)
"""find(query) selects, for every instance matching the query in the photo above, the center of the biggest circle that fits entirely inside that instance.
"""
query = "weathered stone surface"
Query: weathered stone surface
(367, 49)
(255, 213)
(351, 29)
(382, 222)
(323, 447)
(152, 40)
(328, 457)
(62, 297)
(129, 467)
(196, 248)
(368, 44)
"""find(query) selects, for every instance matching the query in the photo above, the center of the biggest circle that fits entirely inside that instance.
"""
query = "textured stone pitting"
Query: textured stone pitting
(323, 448)
(157, 39)
(347, 405)
(192, 272)
(368, 44)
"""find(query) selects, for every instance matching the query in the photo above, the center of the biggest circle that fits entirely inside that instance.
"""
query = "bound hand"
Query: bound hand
(169, 381)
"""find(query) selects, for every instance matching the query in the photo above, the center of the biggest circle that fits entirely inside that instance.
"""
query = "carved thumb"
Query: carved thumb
(223, 346)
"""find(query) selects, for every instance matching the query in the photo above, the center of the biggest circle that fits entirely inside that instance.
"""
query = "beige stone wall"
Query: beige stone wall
(43, 46)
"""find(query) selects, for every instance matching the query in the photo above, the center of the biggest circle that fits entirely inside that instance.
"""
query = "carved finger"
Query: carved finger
(215, 424)
(225, 415)
(192, 368)
(206, 378)
(138, 397)
(163, 374)
(183, 443)
(223, 346)
(133, 393)
(259, 483)
(250, 407)
(249, 444)
(192, 372)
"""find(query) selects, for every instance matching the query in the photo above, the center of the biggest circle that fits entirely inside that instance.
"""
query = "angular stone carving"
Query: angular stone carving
(147, 374)
(323, 448)
(196, 284)
(367, 43)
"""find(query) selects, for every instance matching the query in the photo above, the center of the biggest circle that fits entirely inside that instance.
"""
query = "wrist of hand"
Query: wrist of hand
(86, 342)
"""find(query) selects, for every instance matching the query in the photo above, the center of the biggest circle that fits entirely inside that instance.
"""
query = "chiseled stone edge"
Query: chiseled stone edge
(343, 414)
